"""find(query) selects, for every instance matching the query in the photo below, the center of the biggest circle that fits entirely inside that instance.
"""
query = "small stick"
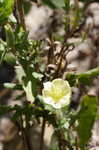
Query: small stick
(21, 13)
(42, 135)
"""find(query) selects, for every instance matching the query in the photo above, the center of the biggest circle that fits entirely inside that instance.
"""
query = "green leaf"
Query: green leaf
(86, 0)
(37, 75)
(54, 142)
(67, 5)
(24, 77)
(86, 118)
(9, 85)
(10, 38)
(83, 78)
(12, 86)
(29, 93)
(71, 78)
(6, 7)
(54, 3)
(2, 45)
(10, 59)
(90, 74)
(12, 19)
(3, 50)
(4, 109)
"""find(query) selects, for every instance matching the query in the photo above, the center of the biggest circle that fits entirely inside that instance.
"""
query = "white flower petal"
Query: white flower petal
(65, 100)
(56, 105)
(47, 85)
(48, 100)
(57, 93)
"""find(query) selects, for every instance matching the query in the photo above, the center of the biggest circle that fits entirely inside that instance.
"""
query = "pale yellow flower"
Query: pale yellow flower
(57, 93)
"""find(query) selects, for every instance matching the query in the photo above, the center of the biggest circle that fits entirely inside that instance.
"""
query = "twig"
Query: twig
(63, 143)
(51, 50)
(15, 12)
(77, 4)
(76, 144)
(67, 144)
(21, 13)
(42, 135)
(60, 58)
(25, 137)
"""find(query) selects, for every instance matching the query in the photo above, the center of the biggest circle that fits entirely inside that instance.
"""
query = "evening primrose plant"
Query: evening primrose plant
(57, 93)
(45, 87)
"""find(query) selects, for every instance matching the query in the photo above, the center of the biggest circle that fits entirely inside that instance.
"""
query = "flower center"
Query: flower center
(58, 93)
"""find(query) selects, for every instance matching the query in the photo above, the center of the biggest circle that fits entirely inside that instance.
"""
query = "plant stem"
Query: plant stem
(25, 137)
(21, 13)
(42, 135)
